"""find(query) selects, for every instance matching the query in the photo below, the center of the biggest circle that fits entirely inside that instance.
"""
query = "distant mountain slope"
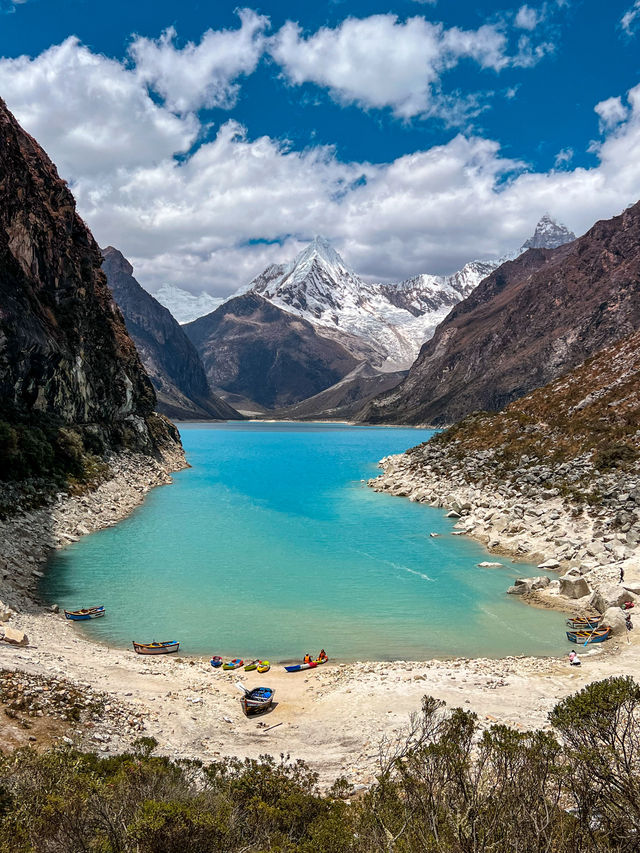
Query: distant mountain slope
(71, 381)
(345, 398)
(254, 349)
(531, 320)
(168, 355)
(549, 234)
(184, 306)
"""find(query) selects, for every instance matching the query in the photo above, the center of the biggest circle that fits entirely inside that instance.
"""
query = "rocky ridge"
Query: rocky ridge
(169, 357)
(531, 320)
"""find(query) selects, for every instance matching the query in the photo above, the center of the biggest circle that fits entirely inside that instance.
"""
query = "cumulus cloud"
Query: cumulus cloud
(90, 111)
(201, 75)
(563, 157)
(381, 61)
(612, 112)
(216, 215)
(629, 20)
(527, 18)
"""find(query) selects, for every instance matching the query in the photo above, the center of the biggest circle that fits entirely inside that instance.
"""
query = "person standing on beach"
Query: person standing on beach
(629, 625)
(621, 574)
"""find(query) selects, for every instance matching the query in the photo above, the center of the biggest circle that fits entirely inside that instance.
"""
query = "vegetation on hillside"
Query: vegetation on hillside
(446, 787)
(592, 411)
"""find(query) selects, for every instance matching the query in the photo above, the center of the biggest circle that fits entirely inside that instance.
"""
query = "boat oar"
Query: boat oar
(590, 635)
(242, 688)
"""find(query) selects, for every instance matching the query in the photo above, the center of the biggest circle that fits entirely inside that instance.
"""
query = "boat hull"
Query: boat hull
(83, 615)
(264, 666)
(583, 624)
(257, 701)
(166, 648)
(216, 661)
(588, 637)
(233, 664)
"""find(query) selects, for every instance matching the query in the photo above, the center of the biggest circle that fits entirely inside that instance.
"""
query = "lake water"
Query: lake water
(271, 545)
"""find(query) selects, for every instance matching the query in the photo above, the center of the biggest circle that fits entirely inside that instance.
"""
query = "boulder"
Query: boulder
(15, 637)
(615, 619)
(453, 514)
(573, 585)
(611, 595)
(5, 612)
(525, 585)
(487, 564)
(549, 564)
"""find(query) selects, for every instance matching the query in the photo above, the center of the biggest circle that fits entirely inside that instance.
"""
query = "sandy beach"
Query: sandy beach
(333, 717)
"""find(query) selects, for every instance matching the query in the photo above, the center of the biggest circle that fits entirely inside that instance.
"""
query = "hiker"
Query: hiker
(621, 574)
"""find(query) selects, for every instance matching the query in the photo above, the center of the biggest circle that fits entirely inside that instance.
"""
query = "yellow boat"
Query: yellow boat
(264, 666)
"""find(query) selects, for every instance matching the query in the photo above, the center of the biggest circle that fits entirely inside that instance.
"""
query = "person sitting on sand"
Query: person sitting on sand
(307, 658)
(322, 655)
(574, 660)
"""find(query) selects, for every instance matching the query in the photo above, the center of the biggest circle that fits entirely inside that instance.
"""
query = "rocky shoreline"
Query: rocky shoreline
(530, 515)
(28, 539)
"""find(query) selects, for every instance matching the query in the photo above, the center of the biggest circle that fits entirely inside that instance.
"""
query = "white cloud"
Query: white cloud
(628, 22)
(527, 18)
(380, 61)
(205, 220)
(200, 75)
(9, 6)
(90, 111)
(612, 112)
(563, 157)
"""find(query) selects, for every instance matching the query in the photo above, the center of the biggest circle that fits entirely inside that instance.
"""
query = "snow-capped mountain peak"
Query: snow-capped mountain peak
(549, 234)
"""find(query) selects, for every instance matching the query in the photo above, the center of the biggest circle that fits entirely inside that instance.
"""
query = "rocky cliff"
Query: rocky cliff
(170, 359)
(531, 320)
(71, 381)
(258, 351)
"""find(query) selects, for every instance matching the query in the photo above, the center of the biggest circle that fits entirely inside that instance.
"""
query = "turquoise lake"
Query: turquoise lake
(271, 545)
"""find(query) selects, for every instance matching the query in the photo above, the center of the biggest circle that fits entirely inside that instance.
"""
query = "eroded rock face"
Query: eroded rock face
(64, 349)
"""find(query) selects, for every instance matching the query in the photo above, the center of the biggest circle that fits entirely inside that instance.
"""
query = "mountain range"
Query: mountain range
(169, 357)
(533, 319)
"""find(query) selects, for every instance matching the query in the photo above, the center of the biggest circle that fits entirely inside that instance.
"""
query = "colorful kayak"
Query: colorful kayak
(85, 613)
(166, 648)
(216, 661)
(264, 666)
(599, 635)
(249, 667)
(298, 667)
(233, 664)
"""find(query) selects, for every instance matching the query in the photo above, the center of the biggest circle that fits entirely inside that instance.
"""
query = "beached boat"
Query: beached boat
(216, 661)
(584, 623)
(256, 701)
(166, 648)
(598, 635)
(264, 666)
(85, 613)
(233, 664)
(298, 667)
(249, 667)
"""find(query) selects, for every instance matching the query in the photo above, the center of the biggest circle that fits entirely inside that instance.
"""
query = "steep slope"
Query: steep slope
(531, 320)
(342, 400)
(168, 355)
(254, 349)
(184, 306)
(70, 377)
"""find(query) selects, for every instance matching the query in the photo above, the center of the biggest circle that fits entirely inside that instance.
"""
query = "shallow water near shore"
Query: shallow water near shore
(272, 545)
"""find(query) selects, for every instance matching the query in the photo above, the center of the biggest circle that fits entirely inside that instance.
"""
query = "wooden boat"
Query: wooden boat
(216, 661)
(85, 613)
(165, 648)
(264, 666)
(598, 635)
(249, 667)
(233, 664)
(298, 667)
(256, 701)
(584, 623)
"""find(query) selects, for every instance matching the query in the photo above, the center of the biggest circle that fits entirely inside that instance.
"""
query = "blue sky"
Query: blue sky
(206, 140)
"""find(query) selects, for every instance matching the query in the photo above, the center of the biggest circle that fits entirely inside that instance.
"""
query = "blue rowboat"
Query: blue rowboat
(165, 648)
(256, 701)
(599, 635)
(216, 661)
(85, 613)
(583, 623)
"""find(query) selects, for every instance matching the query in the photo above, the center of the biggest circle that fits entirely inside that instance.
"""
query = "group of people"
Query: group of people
(321, 656)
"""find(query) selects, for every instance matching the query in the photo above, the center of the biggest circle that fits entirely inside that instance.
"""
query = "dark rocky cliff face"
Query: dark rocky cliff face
(527, 323)
(171, 360)
(66, 360)
(254, 349)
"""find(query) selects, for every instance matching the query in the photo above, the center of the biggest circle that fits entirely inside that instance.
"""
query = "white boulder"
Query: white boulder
(573, 585)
